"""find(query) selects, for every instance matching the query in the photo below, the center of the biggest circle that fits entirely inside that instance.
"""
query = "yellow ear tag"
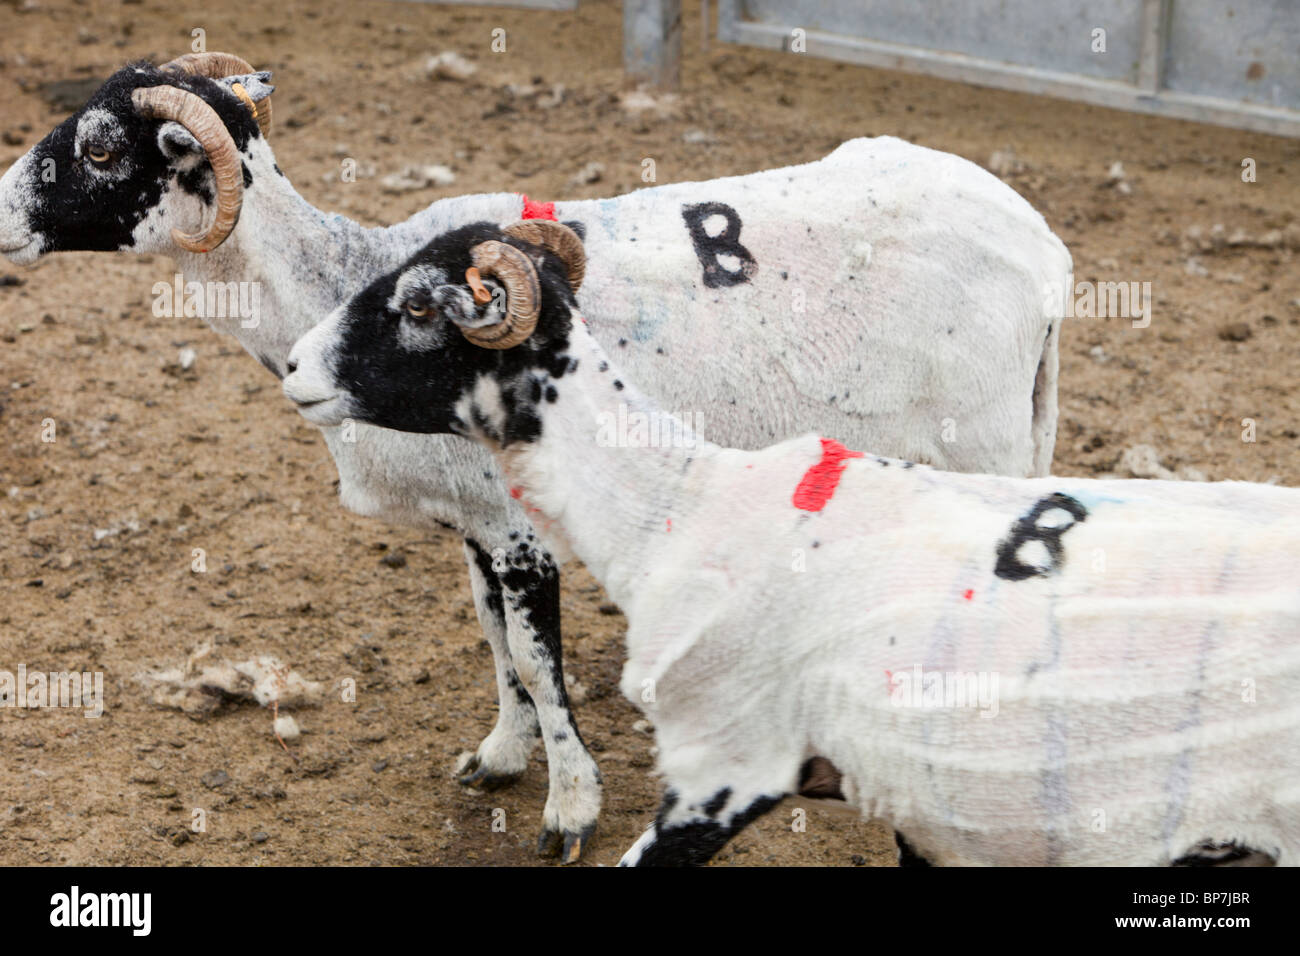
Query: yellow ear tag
(238, 90)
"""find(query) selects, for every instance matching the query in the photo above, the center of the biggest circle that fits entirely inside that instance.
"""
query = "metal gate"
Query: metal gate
(1232, 64)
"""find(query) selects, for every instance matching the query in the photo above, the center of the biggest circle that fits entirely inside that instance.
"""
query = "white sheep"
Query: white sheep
(890, 294)
(1041, 671)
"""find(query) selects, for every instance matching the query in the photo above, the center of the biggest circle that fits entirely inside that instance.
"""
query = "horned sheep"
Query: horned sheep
(1129, 650)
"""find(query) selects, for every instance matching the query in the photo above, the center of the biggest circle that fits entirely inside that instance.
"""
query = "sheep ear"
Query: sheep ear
(177, 143)
(257, 85)
(457, 303)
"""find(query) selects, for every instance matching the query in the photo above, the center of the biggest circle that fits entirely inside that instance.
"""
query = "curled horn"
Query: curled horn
(203, 123)
(217, 65)
(557, 238)
(523, 294)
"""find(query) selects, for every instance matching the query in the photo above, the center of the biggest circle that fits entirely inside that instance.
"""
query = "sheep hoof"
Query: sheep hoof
(567, 845)
(474, 775)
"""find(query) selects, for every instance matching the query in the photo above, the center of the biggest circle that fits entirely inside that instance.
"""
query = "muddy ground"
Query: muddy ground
(152, 460)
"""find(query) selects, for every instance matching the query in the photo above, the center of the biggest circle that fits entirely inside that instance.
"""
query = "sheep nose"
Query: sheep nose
(292, 365)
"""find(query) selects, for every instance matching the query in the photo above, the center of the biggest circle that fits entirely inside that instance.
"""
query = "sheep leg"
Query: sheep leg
(530, 585)
(907, 855)
(502, 757)
(690, 830)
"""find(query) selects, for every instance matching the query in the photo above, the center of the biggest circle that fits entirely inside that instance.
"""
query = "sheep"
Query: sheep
(954, 365)
(1006, 670)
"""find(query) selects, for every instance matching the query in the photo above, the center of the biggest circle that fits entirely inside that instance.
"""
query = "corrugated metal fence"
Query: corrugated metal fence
(1215, 61)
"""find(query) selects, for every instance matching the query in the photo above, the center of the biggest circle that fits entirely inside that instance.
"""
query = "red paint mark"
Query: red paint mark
(516, 493)
(889, 681)
(968, 594)
(537, 210)
(819, 481)
(670, 525)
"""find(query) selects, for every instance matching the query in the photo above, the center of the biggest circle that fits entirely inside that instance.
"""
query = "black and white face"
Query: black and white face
(106, 179)
(396, 355)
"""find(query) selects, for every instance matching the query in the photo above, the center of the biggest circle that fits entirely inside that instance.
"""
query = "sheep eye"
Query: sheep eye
(417, 310)
(98, 155)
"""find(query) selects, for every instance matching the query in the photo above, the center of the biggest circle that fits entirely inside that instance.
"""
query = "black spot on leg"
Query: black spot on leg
(533, 583)
(695, 843)
(715, 804)
(906, 855)
(521, 693)
(493, 601)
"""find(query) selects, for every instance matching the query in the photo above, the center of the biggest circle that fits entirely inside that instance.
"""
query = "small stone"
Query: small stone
(394, 559)
(1235, 332)
(260, 837)
(1004, 162)
(413, 178)
(379, 766)
(214, 779)
(609, 610)
(449, 65)
(590, 173)
(180, 837)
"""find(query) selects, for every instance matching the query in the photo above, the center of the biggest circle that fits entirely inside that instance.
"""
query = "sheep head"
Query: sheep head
(481, 311)
(151, 147)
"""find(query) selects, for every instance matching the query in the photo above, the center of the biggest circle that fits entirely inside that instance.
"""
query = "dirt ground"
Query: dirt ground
(152, 460)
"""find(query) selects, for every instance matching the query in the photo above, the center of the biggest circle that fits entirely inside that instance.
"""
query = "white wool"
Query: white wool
(205, 679)
(286, 728)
